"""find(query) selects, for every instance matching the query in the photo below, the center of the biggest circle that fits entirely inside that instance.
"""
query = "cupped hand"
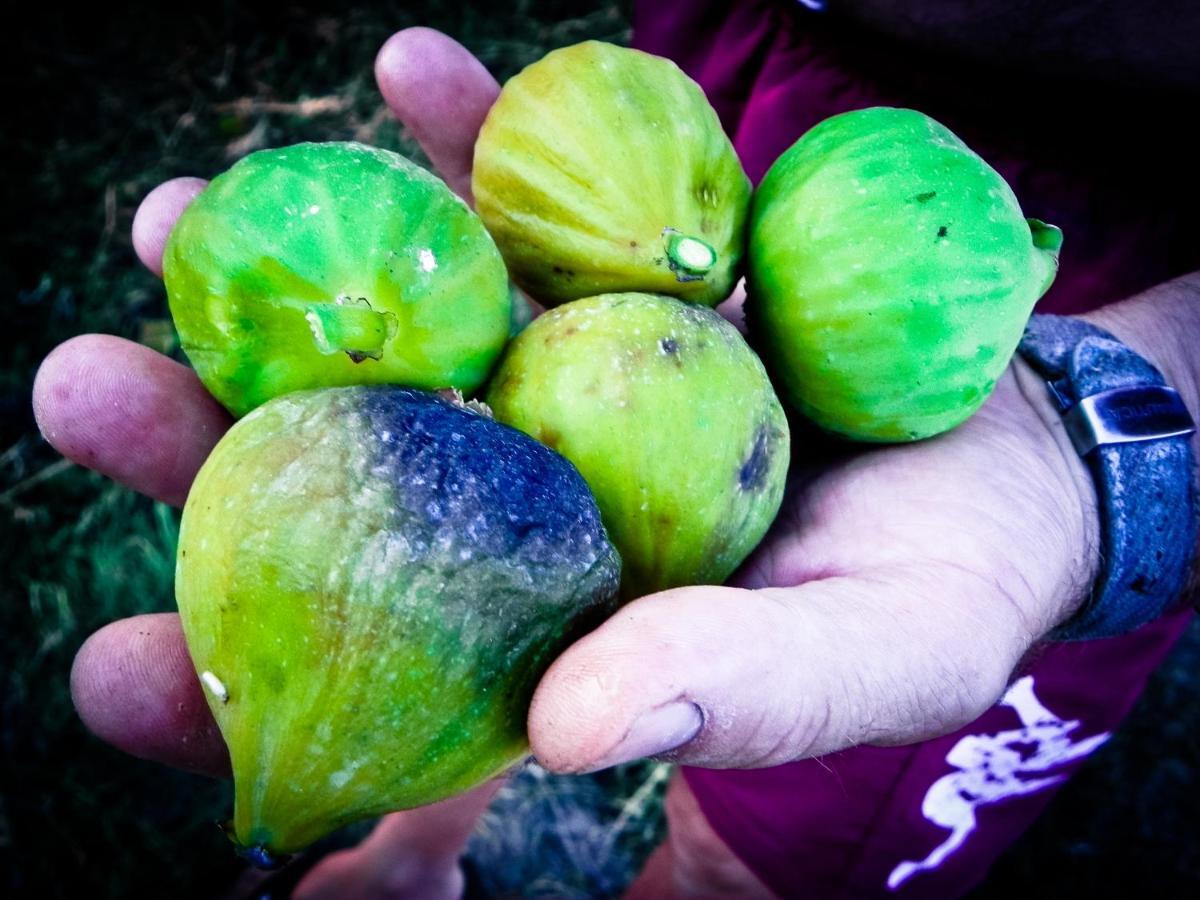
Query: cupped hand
(894, 598)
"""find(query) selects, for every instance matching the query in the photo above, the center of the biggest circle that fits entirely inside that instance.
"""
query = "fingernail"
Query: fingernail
(655, 731)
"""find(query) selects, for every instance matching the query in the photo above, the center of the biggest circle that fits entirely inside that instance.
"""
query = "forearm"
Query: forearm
(1163, 325)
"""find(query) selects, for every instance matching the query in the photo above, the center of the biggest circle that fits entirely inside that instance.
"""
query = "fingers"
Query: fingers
(127, 412)
(134, 686)
(156, 216)
(724, 677)
(441, 93)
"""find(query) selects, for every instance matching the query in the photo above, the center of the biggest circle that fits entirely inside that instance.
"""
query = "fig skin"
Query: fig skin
(671, 419)
(596, 167)
(891, 275)
(372, 580)
(333, 264)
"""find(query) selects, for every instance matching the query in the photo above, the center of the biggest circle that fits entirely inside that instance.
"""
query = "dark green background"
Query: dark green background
(101, 107)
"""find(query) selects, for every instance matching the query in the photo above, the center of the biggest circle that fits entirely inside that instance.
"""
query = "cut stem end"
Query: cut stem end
(1049, 240)
(350, 327)
(689, 257)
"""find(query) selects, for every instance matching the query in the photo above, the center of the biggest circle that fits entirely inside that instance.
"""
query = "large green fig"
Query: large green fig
(670, 418)
(333, 264)
(372, 580)
(891, 275)
(602, 169)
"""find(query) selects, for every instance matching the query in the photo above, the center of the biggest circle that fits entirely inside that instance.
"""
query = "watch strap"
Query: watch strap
(1133, 431)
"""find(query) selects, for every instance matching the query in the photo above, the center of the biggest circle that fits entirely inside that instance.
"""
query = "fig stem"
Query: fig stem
(1048, 239)
(689, 256)
(350, 327)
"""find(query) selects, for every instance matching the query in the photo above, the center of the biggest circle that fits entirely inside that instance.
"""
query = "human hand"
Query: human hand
(891, 602)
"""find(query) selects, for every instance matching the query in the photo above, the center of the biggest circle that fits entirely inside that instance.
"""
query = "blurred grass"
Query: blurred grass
(105, 105)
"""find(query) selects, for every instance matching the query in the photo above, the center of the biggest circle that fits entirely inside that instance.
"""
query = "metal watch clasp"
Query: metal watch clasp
(1125, 415)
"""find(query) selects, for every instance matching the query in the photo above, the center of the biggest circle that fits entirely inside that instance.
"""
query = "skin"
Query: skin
(894, 599)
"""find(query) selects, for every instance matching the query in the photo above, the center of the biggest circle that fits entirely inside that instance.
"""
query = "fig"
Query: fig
(891, 275)
(332, 264)
(670, 418)
(601, 169)
(372, 580)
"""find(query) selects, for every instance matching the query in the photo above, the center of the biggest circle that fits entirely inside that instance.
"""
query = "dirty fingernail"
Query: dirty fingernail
(655, 731)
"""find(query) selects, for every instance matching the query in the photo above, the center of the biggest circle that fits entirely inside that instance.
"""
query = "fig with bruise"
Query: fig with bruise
(671, 419)
(372, 580)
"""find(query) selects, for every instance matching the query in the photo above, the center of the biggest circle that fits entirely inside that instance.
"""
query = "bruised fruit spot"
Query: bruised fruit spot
(754, 470)
(942, 231)
(925, 197)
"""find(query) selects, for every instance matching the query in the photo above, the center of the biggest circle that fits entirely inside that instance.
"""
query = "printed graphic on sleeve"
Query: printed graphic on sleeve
(994, 767)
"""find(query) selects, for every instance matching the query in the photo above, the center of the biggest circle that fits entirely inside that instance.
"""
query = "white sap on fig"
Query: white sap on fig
(215, 686)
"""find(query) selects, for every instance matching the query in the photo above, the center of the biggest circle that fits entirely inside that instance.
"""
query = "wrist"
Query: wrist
(1075, 491)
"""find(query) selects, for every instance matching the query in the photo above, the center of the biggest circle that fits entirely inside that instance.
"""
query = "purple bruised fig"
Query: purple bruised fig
(372, 580)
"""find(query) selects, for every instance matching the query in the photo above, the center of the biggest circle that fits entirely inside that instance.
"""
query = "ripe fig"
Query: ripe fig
(891, 275)
(372, 580)
(333, 264)
(602, 169)
(670, 418)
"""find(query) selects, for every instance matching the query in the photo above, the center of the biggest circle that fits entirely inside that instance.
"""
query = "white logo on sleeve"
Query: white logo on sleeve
(993, 767)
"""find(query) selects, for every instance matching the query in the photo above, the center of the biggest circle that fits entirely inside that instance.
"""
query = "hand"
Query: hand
(893, 599)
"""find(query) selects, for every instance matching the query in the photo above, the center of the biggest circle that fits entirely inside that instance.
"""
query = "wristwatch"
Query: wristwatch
(1133, 431)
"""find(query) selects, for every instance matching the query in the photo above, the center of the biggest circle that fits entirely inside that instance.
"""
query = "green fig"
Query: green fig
(671, 419)
(372, 580)
(891, 275)
(601, 169)
(333, 264)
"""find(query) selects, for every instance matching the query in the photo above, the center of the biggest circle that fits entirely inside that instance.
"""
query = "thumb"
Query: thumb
(731, 678)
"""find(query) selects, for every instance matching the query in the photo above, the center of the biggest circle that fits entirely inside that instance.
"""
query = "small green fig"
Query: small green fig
(333, 264)
(671, 419)
(891, 275)
(600, 169)
(372, 580)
